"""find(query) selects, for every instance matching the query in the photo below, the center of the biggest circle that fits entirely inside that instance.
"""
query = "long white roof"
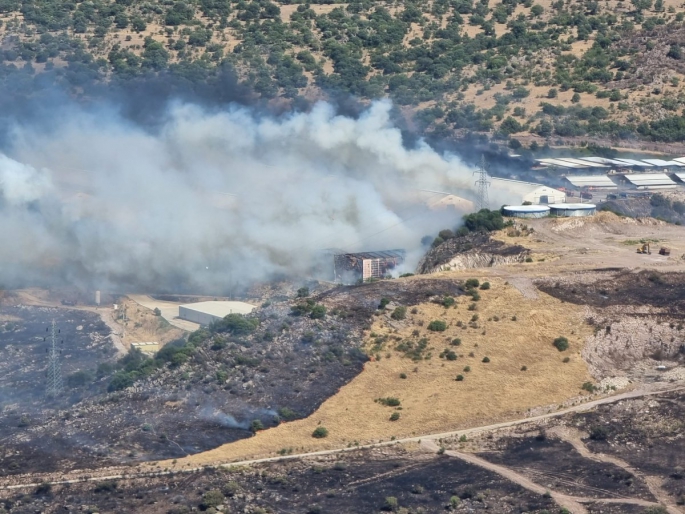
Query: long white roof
(661, 162)
(560, 163)
(591, 181)
(634, 162)
(649, 179)
(602, 160)
(582, 162)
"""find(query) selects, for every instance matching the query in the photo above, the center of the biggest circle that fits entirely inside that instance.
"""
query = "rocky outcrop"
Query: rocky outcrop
(471, 251)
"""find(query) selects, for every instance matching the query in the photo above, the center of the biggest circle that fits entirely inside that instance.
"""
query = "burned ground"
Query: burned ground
(663, 290)
(480, 244)
(222, 385)
(648, 433)
(351, 483)
(558, 465)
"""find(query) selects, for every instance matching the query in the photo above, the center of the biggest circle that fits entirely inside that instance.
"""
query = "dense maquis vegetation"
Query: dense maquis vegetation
(600, 69)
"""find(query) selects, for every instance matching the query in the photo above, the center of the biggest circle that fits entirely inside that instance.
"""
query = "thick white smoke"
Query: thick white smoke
(214, 198)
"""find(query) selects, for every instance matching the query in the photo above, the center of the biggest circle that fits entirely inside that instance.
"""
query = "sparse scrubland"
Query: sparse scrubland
(477, 379)
(526, 72)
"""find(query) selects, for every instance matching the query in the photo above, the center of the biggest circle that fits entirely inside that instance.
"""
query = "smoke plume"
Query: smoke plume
(213, 197)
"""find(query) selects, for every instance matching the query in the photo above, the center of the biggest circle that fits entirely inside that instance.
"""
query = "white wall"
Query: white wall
(553, 195)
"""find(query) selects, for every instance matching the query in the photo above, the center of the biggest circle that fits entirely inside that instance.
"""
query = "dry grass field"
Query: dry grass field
(512, 331)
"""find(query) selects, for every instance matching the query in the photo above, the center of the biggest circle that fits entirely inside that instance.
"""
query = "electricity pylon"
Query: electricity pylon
(54, 386)
(482, 183)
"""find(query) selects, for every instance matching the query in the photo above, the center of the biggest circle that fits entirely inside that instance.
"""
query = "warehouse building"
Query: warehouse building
(352, 268)
(205, 313)
(650, 181)
(568, 210)
(529, 191)
(526, 211)
(591, 182)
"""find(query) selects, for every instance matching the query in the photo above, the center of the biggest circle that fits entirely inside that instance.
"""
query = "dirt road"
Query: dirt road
(11, 483)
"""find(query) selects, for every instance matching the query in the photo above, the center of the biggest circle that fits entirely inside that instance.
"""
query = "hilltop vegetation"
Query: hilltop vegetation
(551, 68)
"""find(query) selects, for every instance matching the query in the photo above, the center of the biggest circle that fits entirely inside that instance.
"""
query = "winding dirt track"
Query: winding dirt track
(573, 503)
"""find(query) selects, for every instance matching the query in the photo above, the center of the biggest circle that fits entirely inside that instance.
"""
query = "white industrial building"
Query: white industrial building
(591, 181)
(650, 181)
(529, 191)
(205, 313)
(525, 211)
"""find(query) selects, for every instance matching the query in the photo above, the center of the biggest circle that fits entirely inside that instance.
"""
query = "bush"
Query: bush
(256, 426)
(399, 313)
(460, 378)
(394, 416)
(320, 432)
(561, 344)
(471, 283)
(287, 414)
(391, 504)
(589, 387)
(303, 292)
(157, 311)
(456, 342)
(212, 499)
(486, 359)
(484, 220)
(467, 369)
(79, 378)
(448, 302)
(390, 401)
(437, 326)
(235, 324)
(599, 434)
(384, 303)
(318, 312)
(485, 286)
(403, 375)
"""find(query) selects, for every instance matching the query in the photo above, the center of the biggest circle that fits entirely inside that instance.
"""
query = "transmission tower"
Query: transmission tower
(482, 183)
(54, 388)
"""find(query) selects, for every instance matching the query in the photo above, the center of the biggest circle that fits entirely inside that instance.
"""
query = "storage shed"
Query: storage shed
(206, 313)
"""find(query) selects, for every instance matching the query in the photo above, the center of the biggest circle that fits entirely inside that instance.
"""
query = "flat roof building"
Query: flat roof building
(205, 313)
(650, 181)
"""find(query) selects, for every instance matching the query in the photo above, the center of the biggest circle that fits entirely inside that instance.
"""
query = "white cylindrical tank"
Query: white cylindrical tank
(572, 209)
(525, 211)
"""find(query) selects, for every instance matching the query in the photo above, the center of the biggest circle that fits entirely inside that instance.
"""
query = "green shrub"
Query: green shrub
(485, 286)
(390, 401)
(589, 387)
(524, 368)
(467, 369)
(212, 499)
(437, 326)
(320, 432)
(486, 359)
(256, 426)
(460, 378)
(456, 342)
(303, 292)
(384, 303)
(399, 313)
(561, 344)
(448, 302)
(472, 283)
(403, 375)
(394, 416)
(318, 312)
(391, 504)
(287, 414)
(157, 311)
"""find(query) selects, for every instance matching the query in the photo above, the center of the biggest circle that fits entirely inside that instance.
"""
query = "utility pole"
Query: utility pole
(54, 386)
(482, 183)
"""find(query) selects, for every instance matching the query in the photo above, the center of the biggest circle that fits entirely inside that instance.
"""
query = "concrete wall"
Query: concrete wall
(202, 318)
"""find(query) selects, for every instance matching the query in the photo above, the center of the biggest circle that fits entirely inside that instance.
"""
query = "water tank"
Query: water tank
(526, 211)
(572, 209)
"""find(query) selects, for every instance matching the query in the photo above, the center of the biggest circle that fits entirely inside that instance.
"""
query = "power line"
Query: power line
(54, 386)
(482, 183)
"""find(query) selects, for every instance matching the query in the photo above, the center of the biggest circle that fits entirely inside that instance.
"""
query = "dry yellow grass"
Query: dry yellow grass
(432, 400)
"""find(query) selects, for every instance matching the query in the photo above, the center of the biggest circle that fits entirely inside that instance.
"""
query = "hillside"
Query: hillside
(534, 70)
